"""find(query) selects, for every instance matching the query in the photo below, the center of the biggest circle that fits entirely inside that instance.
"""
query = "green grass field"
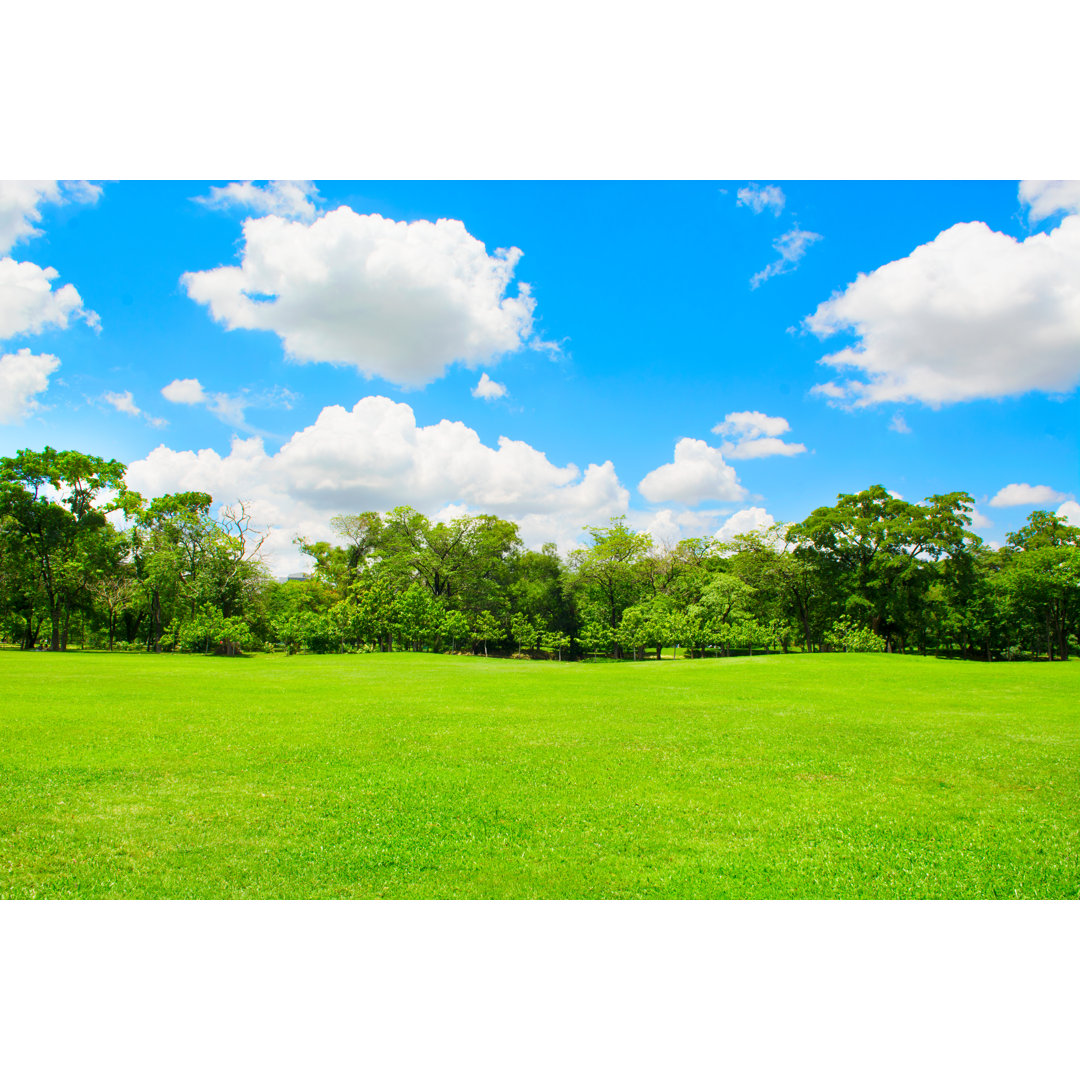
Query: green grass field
(413, 776)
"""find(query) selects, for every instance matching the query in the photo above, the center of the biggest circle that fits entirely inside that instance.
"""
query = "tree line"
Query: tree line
(872, 572)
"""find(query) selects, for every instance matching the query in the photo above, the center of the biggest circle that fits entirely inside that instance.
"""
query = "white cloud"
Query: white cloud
(698, 472)
(285, 198)
(28, 304)
(791, 247)
(374, 456)
(23, 376)
(667, 527)
(488, 388)
(899, 424)
(830, 390)
(1026, 495)
(228, 408)
(394, 299)
(1070, 511)
(752, 519)
(758, 198)
(759, 448)
(184, 392)
(751, 425)
(979, 520)
(972, 314)
(1044, 198)
(20, 199)
(125, 403)
(755, 435)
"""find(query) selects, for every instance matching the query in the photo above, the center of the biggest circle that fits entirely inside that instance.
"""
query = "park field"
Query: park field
(424, 776)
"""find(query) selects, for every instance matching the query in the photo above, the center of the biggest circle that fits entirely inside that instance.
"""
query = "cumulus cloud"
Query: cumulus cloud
(390, 298)
(488, 388)
(125, 403)
(755, 435)
(1070, 511)
(791, 247)
(752, 519)
(20, 201)
(979, 520)
(375, 456)
(698, 472)
(667, 527)
(971, 314)
(28, 304)
(1026, 495)
(285, 198)
(751, 425)
(23, 376)
(184, 392)
(1044, 198)
(759, 198)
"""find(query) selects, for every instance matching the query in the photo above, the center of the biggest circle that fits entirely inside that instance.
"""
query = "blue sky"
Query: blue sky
(648, 348)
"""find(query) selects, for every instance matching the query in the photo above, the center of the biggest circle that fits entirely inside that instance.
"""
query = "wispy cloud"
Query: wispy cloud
(230, 409)
(283, 198)
(125, 403)
(759, 198)
(791, 247)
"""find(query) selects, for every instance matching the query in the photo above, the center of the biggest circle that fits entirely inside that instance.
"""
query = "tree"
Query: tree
(487, 629)
(455, 626)
(848, 636)
(523, 632)
(414, 616)
(873, 551)
(611, 572)
(553, 641)
(184, 557)
(48, 501)
(1044, 574)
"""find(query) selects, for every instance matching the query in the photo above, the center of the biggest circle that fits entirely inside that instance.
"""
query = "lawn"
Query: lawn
(410, 776)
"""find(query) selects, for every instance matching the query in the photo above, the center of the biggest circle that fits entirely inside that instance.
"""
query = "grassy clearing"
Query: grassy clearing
(433, 776)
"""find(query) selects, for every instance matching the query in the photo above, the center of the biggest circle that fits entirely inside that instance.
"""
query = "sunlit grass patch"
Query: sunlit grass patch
(412, 775)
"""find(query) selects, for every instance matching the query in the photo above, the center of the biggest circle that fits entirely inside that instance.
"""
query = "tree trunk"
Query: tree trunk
(153, 637)
(32, 633)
